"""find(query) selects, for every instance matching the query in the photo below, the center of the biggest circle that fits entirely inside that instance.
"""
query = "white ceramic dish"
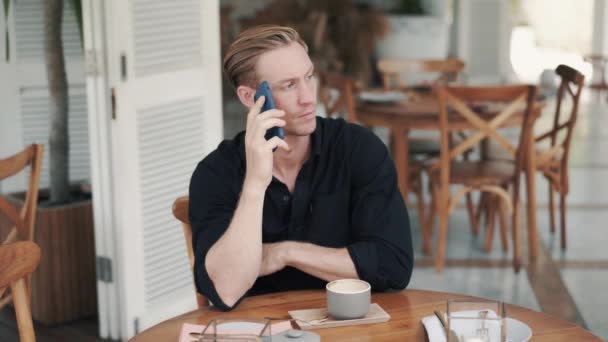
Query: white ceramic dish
(517, 331)
(382, 96)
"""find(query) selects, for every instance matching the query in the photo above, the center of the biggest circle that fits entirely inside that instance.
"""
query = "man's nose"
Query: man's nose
(307, 92)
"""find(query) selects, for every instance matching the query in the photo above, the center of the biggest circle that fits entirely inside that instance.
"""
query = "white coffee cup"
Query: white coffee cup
(348, 298)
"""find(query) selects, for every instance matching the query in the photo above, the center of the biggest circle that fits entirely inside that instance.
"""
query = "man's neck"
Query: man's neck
(288, 164)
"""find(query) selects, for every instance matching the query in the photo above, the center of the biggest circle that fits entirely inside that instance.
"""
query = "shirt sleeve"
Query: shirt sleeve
(382, 244)
(213, 200)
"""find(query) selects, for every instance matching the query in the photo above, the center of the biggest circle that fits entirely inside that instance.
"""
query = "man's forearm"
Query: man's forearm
(322, 262)
(234, 260)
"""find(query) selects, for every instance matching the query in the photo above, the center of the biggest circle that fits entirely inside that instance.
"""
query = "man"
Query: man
(324, 205)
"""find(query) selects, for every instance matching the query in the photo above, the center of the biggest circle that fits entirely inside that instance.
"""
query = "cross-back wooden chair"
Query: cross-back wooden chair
(599, 63)
(180, 211)
(22, 230)
(492, 176)
(553, 161)
(17, 262)
(446, 70)
(22, 220)
(391, 70)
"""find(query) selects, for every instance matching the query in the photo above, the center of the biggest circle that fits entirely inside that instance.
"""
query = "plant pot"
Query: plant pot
(63, 286)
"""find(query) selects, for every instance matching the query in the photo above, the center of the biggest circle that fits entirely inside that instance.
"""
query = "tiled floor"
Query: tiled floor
(582, 268)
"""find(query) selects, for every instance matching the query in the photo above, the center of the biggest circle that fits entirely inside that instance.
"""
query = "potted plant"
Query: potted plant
(64, 286)
(340, 34)
(414, 33)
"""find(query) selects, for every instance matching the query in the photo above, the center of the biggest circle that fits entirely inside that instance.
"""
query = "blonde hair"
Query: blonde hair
(243, 53)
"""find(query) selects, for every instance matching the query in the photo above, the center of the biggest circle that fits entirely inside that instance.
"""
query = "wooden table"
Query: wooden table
(423, 114)
(406, 308)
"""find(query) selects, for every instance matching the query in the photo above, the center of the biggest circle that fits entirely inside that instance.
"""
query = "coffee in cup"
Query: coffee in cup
(348, 298)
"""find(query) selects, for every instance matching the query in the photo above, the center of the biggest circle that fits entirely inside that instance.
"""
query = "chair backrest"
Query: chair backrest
(598, 62)
(487, 109)
(180, 211)
(24, 220)
(560, 135)
(336, 94)
(392, 70)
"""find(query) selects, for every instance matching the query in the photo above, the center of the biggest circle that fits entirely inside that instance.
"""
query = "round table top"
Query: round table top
(406, 308)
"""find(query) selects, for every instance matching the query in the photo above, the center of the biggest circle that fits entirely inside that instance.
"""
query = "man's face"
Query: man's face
(290, 74)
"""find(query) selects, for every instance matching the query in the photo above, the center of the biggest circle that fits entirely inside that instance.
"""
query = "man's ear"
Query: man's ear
(245, 94)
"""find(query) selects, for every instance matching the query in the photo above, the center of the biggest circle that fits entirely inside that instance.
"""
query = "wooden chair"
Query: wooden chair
(492, 176)
(180, 211)
(17, 262)
(336, 94)
(23, 220)
(391, 70)
(598, 63)
(552, 162)
(447, 70)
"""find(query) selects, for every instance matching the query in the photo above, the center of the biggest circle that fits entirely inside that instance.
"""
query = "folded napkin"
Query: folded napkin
(436, 331)
(188, 328)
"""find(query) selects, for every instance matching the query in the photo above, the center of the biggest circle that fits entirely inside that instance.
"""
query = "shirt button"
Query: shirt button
(285, 198)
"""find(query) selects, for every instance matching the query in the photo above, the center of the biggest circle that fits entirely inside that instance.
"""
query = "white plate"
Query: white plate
(242, 326)
(517, 331)
(384, 96)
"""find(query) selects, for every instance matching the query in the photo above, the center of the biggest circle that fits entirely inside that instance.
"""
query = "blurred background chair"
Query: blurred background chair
(395, 72)
(419, 76)
(180, 211)
(492, 176)
(552, 160)
(598, 62)
(17, 262)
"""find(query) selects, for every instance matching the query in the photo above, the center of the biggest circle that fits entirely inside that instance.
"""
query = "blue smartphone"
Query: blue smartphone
(264, 89)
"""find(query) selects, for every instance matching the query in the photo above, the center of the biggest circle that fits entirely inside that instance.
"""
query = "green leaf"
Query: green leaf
(77, 8)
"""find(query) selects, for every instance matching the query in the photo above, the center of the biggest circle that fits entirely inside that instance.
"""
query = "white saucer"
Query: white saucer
(517, 331)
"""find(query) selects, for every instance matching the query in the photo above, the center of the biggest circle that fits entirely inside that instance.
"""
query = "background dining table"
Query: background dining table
(406, 308)
(420, 111)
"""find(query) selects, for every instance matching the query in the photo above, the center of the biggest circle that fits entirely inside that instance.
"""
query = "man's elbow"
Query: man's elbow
(229, 292)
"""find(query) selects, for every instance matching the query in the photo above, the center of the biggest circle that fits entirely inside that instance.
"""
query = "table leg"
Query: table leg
(531, 202)
(400, 155)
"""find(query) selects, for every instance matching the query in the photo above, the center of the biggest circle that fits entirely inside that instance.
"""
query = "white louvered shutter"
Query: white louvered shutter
(26, 117)
(166, 65)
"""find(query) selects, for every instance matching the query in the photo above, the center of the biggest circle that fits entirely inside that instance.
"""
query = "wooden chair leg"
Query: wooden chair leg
(430, 220)
(562, 214)
(472, 216)
(491, 217)
(424, 229)
(502, 215)
(22, 311)
(515, 232)
(551, 209)
(480, 209)
(443, 233)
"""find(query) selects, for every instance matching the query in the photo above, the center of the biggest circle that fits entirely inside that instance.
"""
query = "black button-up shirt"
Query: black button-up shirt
(346, 195)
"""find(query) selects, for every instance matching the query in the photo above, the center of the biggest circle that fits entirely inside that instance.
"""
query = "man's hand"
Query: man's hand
(258, 149)
(273, 258)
